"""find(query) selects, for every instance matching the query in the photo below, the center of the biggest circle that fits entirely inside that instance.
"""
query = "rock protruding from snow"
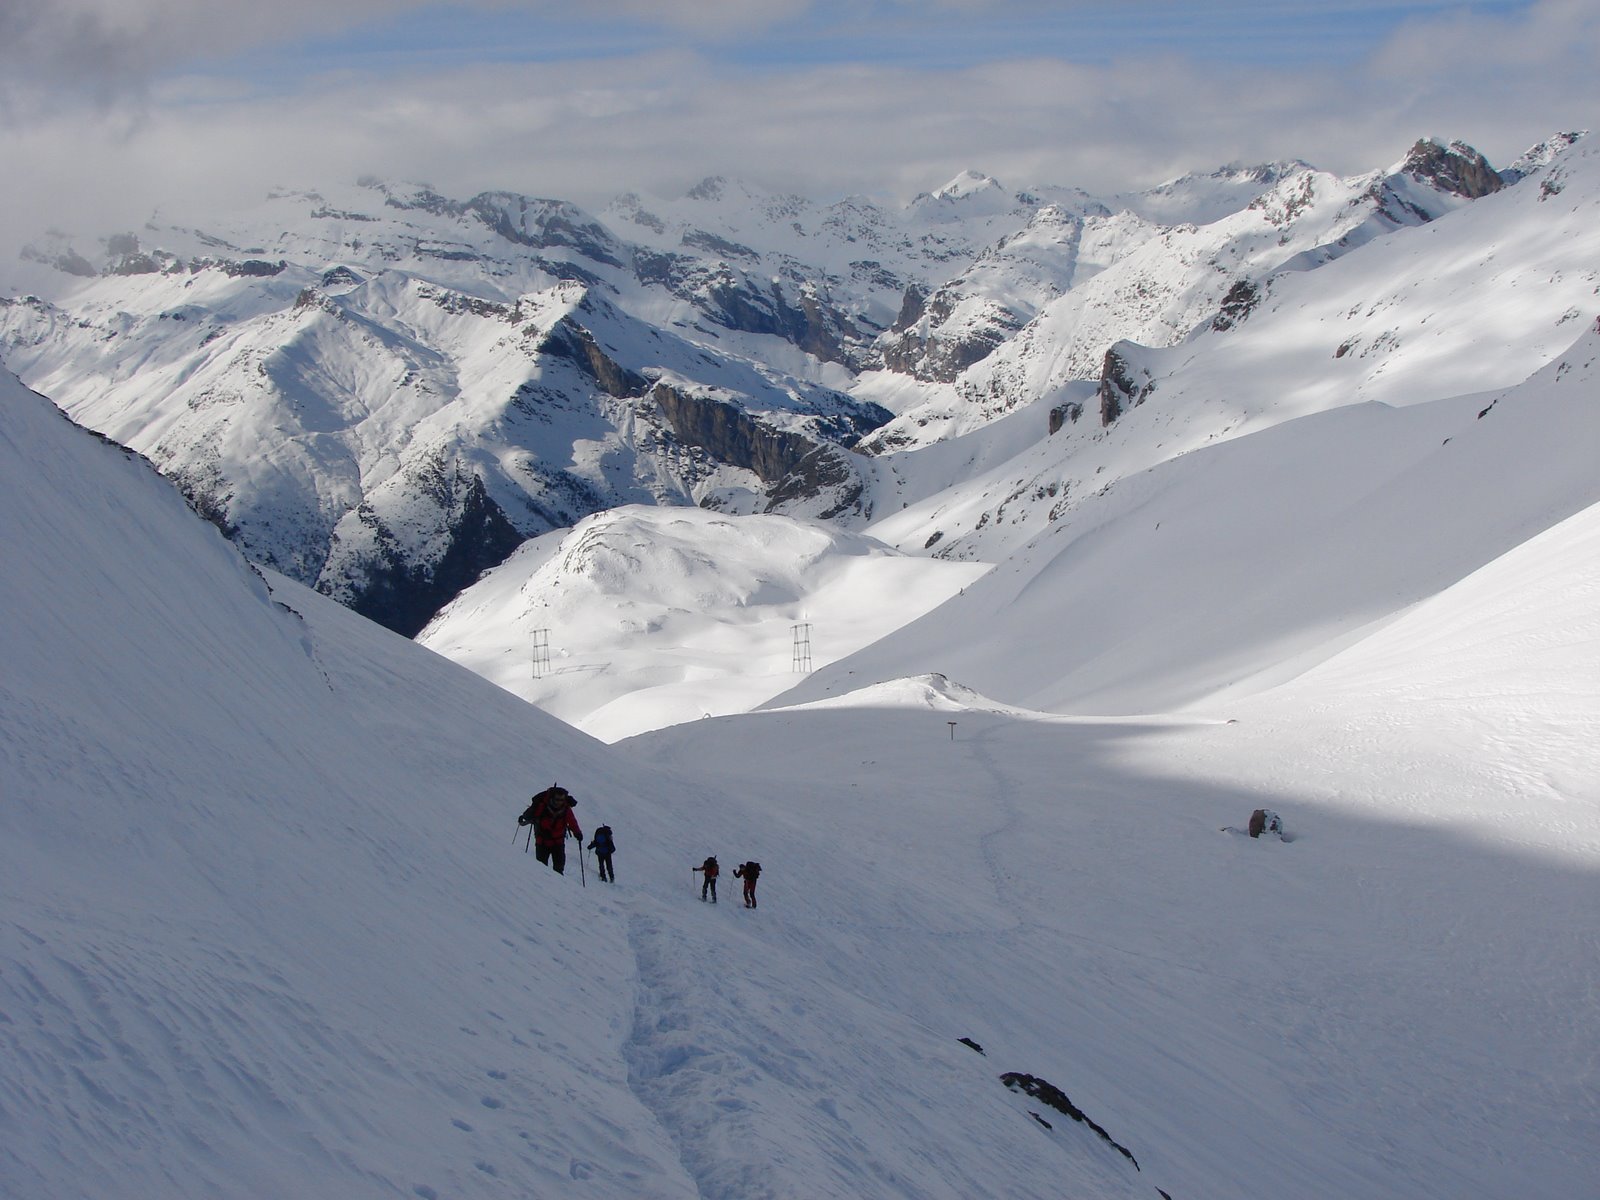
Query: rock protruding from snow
(1125, 380)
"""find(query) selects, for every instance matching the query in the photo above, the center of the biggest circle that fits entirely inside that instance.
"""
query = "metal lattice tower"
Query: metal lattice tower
(802, 647)
(541, 653)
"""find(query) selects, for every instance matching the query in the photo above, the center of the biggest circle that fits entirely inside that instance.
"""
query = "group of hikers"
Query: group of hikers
(709, 870)
(550, 814)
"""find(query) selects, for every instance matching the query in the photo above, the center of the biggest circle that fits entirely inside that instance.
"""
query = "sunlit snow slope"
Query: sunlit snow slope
(640, 617)
(266, 931)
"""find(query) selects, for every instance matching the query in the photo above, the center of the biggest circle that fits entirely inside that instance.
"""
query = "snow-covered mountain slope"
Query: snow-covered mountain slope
(1254, 557)
(638, 616)
(381, 391)
(1479, 299)
(1321, 440)
(1395, 1001)
(1155, 285)
(266, 933)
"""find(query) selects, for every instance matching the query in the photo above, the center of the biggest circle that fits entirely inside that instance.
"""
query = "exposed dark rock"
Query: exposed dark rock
(569, 340)
(1122, 384)
(1239, 303)
(1282, 205)
(340, 277)
(818, 329)
(404, 596)
(730, 435)
(1062, 413)
(736, 300)
(253, 267)
(966, 1041)
(709, 188)
(699, 239)
(127, 258)
(447, 254)
(1456, 168)
(1046, 1092)
(827, 469)
(68, 261)
(912, 306)
(461, 304)
(543, 223)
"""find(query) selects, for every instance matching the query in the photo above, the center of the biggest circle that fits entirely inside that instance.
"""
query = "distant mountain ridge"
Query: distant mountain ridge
(381, 391)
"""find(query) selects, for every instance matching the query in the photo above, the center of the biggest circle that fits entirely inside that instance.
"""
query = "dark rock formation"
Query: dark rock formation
(569, 340)
(1238, 304)
(827, 471)
(1047, 1093)
(1062, 413)
(735, 300)
(1123, 383)
(794, 467)
(730, 435)
(404, 595)
(941, 357)
(1456, 168)
(912, 306)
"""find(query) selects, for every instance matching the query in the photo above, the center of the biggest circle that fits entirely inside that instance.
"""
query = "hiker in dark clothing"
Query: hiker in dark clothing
(604, 846)
(749, 872)
(710, 870)
(550, 814)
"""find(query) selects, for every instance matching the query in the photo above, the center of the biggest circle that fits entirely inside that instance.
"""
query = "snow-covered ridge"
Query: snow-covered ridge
(638, 616)
(265, 935)
(382, 391)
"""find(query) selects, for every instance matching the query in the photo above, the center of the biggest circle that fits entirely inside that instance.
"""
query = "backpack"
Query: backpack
(603, 841)
(752, 870)
(547, 813)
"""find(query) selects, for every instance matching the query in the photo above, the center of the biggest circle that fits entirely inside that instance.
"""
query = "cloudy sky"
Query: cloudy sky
(111, 108)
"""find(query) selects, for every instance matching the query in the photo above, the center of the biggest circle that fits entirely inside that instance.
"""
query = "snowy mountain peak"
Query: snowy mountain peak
(967, 183)
(1456, 168)
(1542, 155)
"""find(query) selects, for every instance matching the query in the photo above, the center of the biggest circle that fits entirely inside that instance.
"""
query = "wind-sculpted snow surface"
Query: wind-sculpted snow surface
(266, 932)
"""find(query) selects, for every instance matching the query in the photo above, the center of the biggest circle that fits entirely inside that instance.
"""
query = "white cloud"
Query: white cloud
(658, 122)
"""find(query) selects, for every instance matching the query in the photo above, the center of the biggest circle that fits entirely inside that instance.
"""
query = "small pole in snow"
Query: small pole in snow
(952, 725)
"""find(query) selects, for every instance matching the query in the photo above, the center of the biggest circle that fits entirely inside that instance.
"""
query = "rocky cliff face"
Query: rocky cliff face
(1125, 381)
(1456, 168)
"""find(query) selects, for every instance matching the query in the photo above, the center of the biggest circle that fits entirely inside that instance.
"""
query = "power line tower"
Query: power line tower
(541, 653)
(802, 647)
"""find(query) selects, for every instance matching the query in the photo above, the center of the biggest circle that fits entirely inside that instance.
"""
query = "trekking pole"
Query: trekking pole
(582, 877)
(530, 837)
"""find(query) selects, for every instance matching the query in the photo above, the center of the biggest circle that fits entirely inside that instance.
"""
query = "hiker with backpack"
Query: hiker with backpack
(749, 872)
(550, 814)
(604, 846)
(709, 870)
